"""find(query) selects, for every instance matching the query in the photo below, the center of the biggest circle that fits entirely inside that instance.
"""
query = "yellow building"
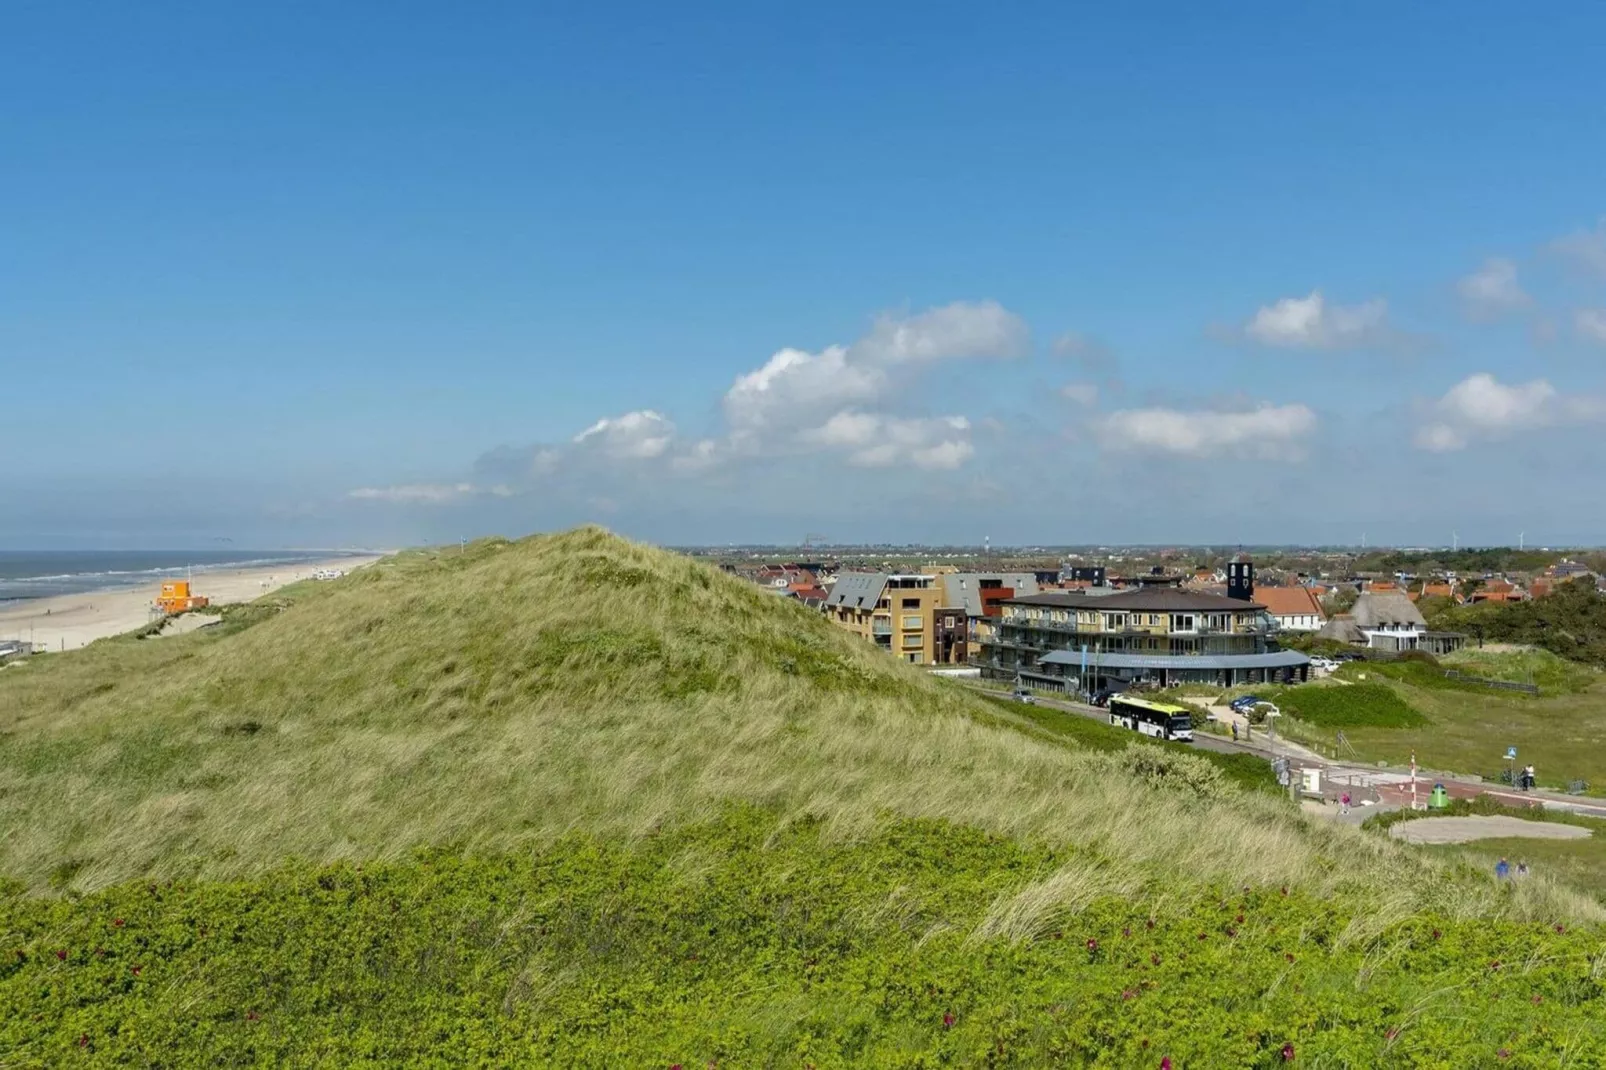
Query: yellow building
(900, 613)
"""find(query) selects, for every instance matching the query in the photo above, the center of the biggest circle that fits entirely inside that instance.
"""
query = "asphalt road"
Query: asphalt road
(1202, 740)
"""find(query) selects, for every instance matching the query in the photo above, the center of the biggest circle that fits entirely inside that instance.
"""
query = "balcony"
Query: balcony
(879, 628)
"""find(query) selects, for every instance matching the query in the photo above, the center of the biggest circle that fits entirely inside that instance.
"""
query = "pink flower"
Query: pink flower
(135, 970)
(1538, 999)
(1436, 934)
(117, 923)
(1392, 1033)
(1092, 944)
(1155, 958)
(62, 954)
(1165, 1063)
(1127, 994)
(948, 1020)
(1239, 919)
(1126, 930)
(1289, 955)
(1503, 1053)
(1288, 1053)
(1560, 928)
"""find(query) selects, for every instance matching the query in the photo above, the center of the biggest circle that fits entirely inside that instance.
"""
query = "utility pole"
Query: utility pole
(1520, 537)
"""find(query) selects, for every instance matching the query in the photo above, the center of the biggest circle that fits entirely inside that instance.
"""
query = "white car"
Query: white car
(1020, 694)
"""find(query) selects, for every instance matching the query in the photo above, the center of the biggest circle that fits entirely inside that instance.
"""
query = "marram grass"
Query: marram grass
(498, 698)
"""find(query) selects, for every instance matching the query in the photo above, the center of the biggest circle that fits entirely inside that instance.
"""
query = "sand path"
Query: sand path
(1467, 829)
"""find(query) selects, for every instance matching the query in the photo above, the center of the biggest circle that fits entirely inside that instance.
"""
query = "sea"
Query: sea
(26, 574)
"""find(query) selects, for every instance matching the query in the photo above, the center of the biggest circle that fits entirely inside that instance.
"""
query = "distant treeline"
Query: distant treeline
(1570, 623)
(1487, 559)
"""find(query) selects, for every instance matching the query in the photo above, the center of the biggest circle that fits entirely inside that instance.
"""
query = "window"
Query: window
(1182, 622)
(911, 603)
(913, 642)
(911, 623)
(914, 659)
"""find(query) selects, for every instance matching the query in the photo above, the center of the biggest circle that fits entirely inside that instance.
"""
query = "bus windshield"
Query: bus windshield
(1181, 722)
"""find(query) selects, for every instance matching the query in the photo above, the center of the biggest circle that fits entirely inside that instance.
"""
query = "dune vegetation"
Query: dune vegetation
(577, 800)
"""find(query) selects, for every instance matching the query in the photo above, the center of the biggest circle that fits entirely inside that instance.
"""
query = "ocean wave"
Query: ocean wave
(27, 587)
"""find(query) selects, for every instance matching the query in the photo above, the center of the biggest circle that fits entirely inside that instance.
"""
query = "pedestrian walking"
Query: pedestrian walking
(1502, 869)
(1343, 803)
(1529, 774)
(1235, 731)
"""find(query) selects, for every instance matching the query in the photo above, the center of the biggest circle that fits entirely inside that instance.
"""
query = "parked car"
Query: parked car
(1020, 694)
(1243, 702)
(1102, 698)
(1324, 664)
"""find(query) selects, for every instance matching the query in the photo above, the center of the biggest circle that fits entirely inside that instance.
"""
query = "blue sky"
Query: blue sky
(307, 274)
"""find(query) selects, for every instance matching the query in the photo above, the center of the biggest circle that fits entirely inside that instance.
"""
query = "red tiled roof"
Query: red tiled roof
(1288, 601)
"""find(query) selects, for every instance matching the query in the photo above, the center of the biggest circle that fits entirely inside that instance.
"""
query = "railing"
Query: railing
(1503, 685)
(877, 628)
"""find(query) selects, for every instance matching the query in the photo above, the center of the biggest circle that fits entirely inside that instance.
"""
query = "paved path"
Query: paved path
(1466, 829)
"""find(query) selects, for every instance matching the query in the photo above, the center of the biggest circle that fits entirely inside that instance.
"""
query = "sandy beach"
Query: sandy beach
(70, 621)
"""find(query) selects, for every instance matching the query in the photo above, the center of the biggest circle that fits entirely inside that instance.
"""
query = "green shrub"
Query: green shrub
(749, 943)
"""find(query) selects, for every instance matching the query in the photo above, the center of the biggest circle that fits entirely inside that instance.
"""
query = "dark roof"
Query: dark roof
(1148, 600)
(857, 590)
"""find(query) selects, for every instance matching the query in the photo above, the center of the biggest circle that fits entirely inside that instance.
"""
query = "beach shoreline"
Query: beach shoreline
(71, 621)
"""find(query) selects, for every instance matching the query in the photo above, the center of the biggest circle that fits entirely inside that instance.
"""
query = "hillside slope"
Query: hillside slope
(505, 695)
(575, 801)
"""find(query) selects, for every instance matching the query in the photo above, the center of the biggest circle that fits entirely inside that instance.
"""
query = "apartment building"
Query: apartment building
(1082, 641)
(903, 614)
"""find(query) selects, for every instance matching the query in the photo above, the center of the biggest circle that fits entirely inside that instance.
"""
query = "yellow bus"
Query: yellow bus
(1158, 719)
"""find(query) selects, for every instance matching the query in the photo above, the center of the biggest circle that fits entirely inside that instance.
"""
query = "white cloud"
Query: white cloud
(959, 331)
(701, 455)
(1312, 323)
(1482, 407)
(876, 440)
(1269, 432)
(1493, 290)
(841, 400)
(1591, 324)
(795, 387)
(1586, 248)
(799, 401)
(1081, 393)
(635, 436)
(427, 493)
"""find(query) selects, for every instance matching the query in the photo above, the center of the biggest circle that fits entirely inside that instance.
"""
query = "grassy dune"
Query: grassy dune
(581, 802)
(497, 698)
